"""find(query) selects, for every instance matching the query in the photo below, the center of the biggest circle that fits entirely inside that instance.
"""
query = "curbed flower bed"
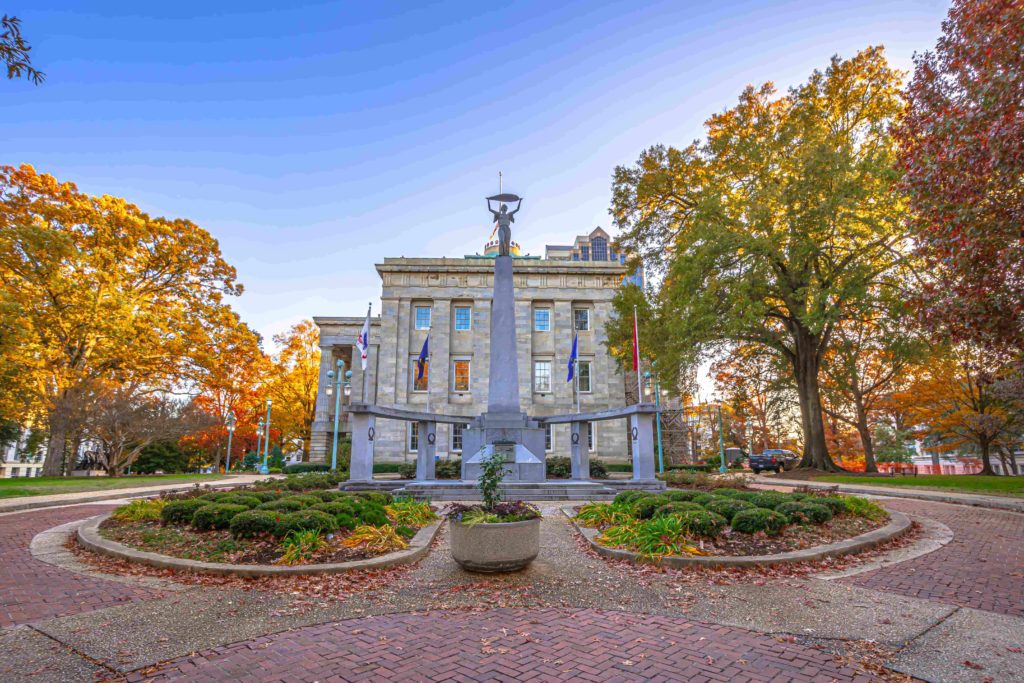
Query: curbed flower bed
(727, 522)
(289, 525)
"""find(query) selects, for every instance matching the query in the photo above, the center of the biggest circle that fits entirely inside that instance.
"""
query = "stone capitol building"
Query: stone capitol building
(571, 288)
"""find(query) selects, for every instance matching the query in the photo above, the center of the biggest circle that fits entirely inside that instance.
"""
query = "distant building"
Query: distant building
(597, 246)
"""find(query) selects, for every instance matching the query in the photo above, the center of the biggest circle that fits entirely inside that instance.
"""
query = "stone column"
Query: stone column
(426, 449)
(503, 390)
(364, 433)
(579, 451)
(642, 433)
(323, 401)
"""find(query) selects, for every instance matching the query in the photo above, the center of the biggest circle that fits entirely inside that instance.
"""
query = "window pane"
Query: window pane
(542, 375)
(460, 375)
(423, 317)
(584, 368)
(457, 437)
(542, 320)
(420, 384)
(414, 436)
(581, 319)
(585, 253)
(599, 245)
(590, 437)
(463, 318)
(549, 438)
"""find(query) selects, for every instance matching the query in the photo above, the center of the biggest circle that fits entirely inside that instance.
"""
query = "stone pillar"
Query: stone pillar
(503, 390)
(579, 451)
(364, 433)
(641, 429)
(426, 449)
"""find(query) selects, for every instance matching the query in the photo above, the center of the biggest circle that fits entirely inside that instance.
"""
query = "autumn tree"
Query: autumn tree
(14, 51)
(755, 383)
(102, 293)
(774, 229)
(962, 150)
(295, 373)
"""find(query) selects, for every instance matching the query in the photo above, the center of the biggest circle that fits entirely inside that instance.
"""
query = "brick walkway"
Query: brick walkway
(510, 645)
(982, 567)
(31, 590)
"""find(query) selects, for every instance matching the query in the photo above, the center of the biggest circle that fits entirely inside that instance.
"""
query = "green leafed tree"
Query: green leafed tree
(775, 228)
(14, 51)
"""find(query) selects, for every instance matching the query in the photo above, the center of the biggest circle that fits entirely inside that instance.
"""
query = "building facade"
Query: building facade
(450, 299)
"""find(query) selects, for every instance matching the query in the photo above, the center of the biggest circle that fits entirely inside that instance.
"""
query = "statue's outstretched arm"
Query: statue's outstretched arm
(518, 206)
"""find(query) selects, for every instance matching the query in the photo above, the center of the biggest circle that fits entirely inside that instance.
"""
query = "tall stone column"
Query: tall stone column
(503, 390)
(426, 449)
(642, 434)
(579, 451)
(364, 434)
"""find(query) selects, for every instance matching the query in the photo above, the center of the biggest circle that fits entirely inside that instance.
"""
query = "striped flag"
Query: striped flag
(363, 342)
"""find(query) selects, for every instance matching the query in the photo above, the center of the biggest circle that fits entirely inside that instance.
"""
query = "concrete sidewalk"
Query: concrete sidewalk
(34, 502)
(977, 500)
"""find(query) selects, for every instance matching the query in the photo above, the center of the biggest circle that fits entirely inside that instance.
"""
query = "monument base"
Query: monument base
(518, 438)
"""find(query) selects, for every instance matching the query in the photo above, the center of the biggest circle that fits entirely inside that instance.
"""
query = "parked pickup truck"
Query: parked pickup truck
(777, 459)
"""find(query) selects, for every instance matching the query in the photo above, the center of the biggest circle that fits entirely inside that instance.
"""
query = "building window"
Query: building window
(599, 245)
(581, 319)
(542, 376)
(591, 440)
(457, 437)
(542, 320)
(460, 375)
(584, 253)
(583, 368)
(575, 256)
(15, 471)
(420, 384)
(549, 438)
(463, 318)
(414, 436)
(423, 317)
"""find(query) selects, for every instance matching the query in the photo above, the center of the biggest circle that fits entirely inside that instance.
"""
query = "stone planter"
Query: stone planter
(495, 547)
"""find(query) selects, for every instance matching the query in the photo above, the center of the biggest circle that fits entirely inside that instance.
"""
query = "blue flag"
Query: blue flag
(421, 362)
(572, 357)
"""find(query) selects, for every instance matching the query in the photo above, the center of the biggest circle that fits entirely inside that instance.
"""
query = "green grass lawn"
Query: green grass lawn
(45, 486)
(963, 483)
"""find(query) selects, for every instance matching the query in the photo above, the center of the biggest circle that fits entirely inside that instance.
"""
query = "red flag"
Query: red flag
(636, 342)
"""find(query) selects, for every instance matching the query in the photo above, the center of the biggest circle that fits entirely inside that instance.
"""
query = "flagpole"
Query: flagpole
(366, 369)
(576, 377)
(636, 350)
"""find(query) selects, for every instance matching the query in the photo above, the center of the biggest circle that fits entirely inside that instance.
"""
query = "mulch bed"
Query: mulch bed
(793, 537)
(218, 545)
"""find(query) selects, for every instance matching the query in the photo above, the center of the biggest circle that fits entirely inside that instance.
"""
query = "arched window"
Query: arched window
(599, 249)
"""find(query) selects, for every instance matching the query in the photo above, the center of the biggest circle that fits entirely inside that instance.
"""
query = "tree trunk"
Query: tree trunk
(986, 457)
(53, 463)
(805, 368)
(865, 437)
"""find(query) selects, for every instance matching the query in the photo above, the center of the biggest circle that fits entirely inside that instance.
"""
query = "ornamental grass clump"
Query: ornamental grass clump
(141, 511)
(759, 519)
(602, 515)
(300, 546)
(663, 536)
(377, 539)
(409, 512)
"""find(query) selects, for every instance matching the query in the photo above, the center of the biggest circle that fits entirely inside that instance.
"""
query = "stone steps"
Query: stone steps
(463, 490)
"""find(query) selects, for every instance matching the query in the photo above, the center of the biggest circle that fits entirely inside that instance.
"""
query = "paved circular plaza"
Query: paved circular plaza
(948, 606)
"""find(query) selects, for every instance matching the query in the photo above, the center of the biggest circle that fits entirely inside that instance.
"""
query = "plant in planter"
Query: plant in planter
(494, 536)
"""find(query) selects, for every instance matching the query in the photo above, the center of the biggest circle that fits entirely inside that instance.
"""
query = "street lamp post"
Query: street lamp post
(266, 441)
(721, 442)
(657, 405)
(259, 436)
(336, 383)
(229, 422)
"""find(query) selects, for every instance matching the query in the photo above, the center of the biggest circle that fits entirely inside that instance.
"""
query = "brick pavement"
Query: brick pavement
(510, 645)
(982, 567)
(31, 590)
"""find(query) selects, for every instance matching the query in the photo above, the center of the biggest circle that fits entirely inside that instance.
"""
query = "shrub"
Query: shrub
(215, 496)
(727, 507)
(240, 499)
(804, 512)
(380, 539)
(646, 505)
(758, 519)
(744, 495)
(729, 493)
(302, 467)
(329, 496)
(703, 498)
(862, 507)
(370, 513)
(628, 497)
(702, 523)
(558, 467)
(282, 505)
(769, 499)
(684, 478)
(682, 495)
(598, 470)
(140, 510)
(181, 511)
(834, 503)
(264, 496)
(307, 500)
(407, 470)
(253, 523)
(448, 469)
(676, 508)
(274, 470)
(216, 516)
(306, 520)
(406, 532)
(300, 546)
(379, 497)
(346, 521)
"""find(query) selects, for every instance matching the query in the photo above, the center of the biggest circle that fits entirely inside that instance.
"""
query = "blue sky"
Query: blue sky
(314, 139)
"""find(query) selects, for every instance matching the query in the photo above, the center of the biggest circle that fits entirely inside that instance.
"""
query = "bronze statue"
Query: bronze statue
(504, 218)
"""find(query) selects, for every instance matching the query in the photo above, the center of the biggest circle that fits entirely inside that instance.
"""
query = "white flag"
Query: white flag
(363, 343)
